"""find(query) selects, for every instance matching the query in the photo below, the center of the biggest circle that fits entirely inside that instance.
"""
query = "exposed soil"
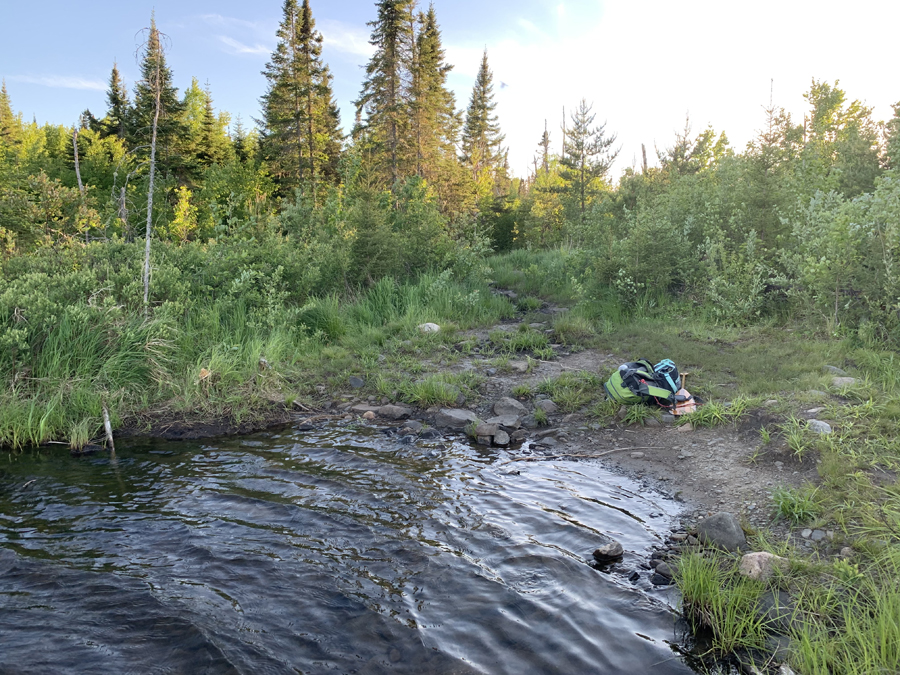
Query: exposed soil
(710, 470)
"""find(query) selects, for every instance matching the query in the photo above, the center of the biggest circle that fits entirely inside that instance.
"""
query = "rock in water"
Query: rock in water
(609, 552)
(509, 406)
(501, 438)
(664, 570)
(722, 530)
(486, 429)
(454, 418)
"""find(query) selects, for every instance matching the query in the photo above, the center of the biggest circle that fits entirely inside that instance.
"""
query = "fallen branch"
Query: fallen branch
(109, 434)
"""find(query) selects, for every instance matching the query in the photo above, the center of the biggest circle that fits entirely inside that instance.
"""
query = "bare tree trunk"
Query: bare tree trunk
(644, 164)
(123, 215)
(109, 434)
(77, 167)
(78, 175)
(150, 197)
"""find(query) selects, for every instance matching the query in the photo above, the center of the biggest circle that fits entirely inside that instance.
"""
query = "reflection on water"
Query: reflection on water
(339, 551)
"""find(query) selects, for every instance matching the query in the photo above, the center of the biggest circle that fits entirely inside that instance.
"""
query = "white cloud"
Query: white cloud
(645, 63)
(237, 47)
(61, 81)
(346, 38)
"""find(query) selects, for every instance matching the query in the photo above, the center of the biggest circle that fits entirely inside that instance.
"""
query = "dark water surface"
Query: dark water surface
(339, 551)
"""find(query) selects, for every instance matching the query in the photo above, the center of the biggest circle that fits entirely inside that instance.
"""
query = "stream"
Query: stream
(341, 550)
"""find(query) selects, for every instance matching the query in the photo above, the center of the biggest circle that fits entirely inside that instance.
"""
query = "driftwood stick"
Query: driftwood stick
(109, 434)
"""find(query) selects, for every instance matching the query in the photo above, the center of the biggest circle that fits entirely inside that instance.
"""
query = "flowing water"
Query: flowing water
(342, 550)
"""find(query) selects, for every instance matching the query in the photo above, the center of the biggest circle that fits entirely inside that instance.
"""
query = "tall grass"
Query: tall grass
(228, 355)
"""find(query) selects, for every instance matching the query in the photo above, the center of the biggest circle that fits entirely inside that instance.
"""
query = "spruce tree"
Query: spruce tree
(481, 136)
(156, 78)
(435, 121)
(587, 155)
(892, 139)
(10, 129)
(116, 120)
(383, 110)
(301, 138)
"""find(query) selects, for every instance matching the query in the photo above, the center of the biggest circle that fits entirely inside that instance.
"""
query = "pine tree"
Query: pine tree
(435, 121)
(156, 78)
(481, 136)
(892, 139)
(10, 124)
(301, 138)
(116, 120)
(544, 145)
(383, 110)
(587, 155)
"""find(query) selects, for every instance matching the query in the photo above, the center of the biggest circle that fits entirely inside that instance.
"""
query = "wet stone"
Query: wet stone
(609, 552)
(659, 580)
(663, 570)
(501, 438)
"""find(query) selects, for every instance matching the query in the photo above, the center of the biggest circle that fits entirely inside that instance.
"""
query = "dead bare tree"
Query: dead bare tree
(78, 174)
(156, 90)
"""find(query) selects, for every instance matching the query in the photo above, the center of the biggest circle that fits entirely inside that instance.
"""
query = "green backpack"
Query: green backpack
(639, 382)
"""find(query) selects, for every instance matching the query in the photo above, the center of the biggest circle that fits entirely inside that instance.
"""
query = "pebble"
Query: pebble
(807, 533)
(637, 455)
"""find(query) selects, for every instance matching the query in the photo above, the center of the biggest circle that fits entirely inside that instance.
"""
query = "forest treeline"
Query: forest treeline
(251, 223)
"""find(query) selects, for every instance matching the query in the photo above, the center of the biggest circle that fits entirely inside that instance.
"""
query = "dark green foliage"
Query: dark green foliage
(156, 77)
(587, 156)
(892, 139)
(301, 138)
(116, 120)
(383, 104)
(481, 138)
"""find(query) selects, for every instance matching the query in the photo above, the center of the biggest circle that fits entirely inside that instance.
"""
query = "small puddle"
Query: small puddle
(337, 550)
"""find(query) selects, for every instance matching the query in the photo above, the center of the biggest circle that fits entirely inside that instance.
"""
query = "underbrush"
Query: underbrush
(73, 345)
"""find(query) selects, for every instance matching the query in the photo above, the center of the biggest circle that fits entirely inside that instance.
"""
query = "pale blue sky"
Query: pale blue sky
(643, 63)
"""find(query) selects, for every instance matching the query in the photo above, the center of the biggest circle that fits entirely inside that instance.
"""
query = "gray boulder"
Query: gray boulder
(501, 438)
(357, 382)
(486, 429)
(819, 427)
(529, 422)
(509, 421)
(547, 406)
(761, 565)
(509, 406)
(454, 418)
(722, 530)
(840, 382)
(394, 412)
(834, 370)
(520, 367)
